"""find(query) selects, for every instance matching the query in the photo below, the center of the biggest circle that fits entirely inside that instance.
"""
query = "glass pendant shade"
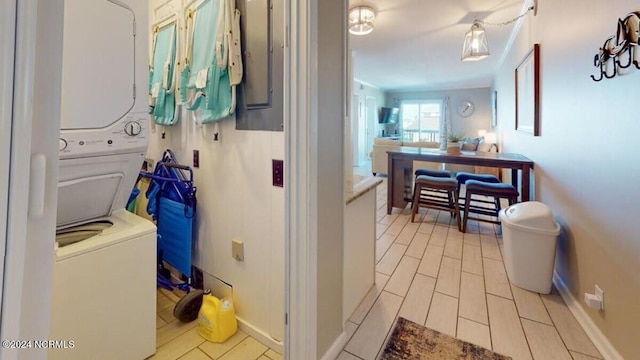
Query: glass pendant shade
(476, 46)
(361, 20)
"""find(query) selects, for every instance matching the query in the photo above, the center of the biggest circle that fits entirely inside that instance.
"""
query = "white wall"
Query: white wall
(585, 165)
(236, 199)
(480, 97)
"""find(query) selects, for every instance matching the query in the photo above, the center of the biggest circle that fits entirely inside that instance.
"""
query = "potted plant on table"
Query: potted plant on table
(454, 138)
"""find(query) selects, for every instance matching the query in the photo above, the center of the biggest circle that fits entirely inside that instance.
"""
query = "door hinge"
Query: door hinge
(134, 28)
(286, 318)
(134, 91)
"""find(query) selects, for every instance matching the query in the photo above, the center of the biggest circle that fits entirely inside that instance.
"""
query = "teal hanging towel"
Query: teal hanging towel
(162, 73)
(206, 85)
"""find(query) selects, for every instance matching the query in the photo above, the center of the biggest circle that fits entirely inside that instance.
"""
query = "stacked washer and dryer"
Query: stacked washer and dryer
(104, 286)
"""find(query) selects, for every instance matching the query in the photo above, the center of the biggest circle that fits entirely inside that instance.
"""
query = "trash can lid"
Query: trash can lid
(531, 215)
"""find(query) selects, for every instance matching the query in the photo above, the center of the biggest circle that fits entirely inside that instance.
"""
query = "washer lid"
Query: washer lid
(93, 187)
(87, 198)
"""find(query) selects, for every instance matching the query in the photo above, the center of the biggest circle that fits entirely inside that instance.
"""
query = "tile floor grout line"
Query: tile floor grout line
(516, 306)
(190, 350)
(356, 356)
(395, 317)
(556, 328)
(475, 321)
(441, 293)
(369, 310)
(486, 302)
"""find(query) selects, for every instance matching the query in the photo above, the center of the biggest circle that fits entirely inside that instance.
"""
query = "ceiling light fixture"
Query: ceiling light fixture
(476, 45)
(361, 19)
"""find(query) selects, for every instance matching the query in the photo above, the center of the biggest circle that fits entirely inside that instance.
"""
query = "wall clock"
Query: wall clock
(466, 108)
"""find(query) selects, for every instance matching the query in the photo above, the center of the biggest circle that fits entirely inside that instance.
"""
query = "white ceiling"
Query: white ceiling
(416, 44)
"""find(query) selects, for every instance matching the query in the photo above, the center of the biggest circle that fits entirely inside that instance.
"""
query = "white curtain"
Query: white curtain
(445, 122)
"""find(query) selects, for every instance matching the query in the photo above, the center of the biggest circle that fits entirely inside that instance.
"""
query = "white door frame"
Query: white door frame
(372, 120)
(8, 10)
(362, 131)
(14, 266)
(28, 266)
(301, 122)
(356, 129)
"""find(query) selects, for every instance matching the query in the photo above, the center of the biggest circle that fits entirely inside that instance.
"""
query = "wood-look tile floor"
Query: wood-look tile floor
(177, 340)
(455, 283)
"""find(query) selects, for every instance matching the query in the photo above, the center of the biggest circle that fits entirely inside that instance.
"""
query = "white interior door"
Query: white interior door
(362, 133)
(371, 121)
(355, 119)
(7, 39)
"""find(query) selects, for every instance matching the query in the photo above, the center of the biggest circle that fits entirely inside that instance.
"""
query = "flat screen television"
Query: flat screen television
(388, 115)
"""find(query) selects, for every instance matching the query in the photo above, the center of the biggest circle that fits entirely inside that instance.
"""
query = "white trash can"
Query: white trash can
(530, 234)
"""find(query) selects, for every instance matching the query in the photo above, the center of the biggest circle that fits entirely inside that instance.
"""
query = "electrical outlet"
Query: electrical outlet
(600, 295)
(147, 165)
(196, 158)
(595, 301)
(277, 167)
(237, 249)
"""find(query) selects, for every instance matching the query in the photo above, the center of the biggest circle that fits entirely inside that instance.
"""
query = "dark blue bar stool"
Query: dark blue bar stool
(433, 172)
(462, 178)
(495, 190)
(435, 192)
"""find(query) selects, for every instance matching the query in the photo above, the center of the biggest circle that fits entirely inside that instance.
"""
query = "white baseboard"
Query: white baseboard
(593, 332)
(336, 348)
(259, 335)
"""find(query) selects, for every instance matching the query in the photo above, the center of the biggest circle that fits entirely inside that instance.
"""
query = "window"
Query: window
(420, 120)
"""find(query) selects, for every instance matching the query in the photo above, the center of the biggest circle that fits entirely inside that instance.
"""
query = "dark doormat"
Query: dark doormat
(411, 341)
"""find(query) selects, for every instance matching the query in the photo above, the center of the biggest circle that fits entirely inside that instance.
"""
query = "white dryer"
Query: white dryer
(104, 296)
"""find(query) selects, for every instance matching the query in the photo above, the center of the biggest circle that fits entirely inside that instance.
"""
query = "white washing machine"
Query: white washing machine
(104, 275)
(105, 292)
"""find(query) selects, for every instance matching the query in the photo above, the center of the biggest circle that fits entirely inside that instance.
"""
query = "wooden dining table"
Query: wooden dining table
(401, 169)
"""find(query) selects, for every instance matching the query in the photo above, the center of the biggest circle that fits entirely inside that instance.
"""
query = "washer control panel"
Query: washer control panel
(128, 134)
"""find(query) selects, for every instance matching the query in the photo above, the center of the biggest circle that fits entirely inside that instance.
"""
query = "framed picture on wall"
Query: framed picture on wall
(494, 109)
(528, 92)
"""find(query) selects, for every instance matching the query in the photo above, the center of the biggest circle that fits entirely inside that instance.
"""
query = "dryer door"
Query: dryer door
(98, 37)
(91, 188)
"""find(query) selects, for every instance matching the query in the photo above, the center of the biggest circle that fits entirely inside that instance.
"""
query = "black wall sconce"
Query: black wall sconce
(619, 51)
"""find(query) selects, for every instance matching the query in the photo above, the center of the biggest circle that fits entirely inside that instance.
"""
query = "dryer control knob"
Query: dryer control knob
(63, 144)
(133, 128)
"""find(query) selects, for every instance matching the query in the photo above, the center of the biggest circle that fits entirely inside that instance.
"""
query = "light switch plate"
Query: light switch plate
(277, 168)
(196, 158)
(237, 249)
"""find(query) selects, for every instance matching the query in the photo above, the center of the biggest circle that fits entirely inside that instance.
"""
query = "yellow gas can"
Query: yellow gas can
(216, 319)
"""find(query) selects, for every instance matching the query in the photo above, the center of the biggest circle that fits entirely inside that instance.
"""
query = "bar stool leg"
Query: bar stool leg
(457, 209)
(467, 201)
(451, 203)
(416, 202)
(496, 200)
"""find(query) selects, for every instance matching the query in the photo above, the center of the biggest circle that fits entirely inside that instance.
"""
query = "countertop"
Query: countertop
(357, 186)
